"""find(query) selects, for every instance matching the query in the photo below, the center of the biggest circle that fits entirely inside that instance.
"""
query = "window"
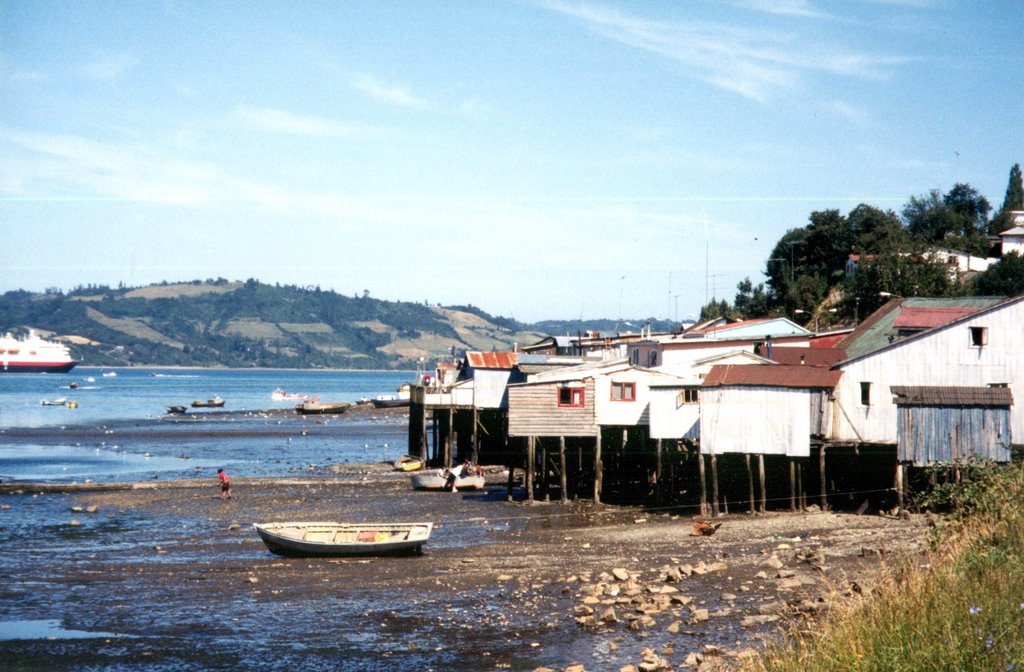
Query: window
(979, 336)
(623, 391)
(634, 356)
(570, 396)
(653, 359)
(687, 396)
(865, 394)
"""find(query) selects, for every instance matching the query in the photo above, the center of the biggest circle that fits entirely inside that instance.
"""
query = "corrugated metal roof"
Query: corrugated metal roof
(807, 356)
(877, 331)
(920, 395)
(492, 360)
(926, 318)
(779, 375)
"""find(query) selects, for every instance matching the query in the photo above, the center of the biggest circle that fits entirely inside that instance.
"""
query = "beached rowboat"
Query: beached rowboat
(435, 480)
(408, 463)
(344, 539)
(316, 407)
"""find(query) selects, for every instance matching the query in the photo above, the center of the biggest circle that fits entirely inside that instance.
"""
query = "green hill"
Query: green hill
(250, 324)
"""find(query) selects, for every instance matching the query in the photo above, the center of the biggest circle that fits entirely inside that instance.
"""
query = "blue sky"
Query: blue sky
(540, 160)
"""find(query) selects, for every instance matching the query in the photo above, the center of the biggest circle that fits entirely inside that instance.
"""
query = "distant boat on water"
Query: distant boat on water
(216, 402)
(32, 354)
(281, 395)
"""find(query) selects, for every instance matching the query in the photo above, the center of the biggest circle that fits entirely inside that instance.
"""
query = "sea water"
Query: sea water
(119, 429)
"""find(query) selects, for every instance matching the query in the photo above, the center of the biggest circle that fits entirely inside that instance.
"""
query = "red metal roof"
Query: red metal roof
(808, 356)
(780, 375)
(927, 318)
(492, 360)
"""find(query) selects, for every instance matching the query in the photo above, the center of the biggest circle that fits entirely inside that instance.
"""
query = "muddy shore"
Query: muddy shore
(167, 576)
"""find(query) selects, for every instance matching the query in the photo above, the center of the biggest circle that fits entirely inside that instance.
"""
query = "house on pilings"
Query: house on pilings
(583, 431)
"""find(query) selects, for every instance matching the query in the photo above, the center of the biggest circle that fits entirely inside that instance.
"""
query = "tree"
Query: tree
(1013, 200)
(959, 219)
(877, 231)
(1004, 278)
(751, 301)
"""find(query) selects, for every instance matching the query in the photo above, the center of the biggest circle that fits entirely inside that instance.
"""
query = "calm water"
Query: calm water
(120, 429)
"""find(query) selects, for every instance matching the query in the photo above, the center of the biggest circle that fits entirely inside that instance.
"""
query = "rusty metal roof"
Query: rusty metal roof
(926, 318)
(779, 375)
(920, 395)
(808, 356)
(492, 360)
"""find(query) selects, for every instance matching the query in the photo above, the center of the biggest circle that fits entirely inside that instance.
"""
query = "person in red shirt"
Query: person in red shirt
(225, 484)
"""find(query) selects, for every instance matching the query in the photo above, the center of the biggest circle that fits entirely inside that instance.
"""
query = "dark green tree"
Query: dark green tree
(1004, 278)
(1013, 200)
(750, 301)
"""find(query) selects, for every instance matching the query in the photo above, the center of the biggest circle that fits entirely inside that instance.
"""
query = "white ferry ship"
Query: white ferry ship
(32, 354)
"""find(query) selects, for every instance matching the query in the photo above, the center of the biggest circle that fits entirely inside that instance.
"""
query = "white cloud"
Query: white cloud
(270, 120)
(395, 95)
(802, 8)
(109, 65)
(756, 63)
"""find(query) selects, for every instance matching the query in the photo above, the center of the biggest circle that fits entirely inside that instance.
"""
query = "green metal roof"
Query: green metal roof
(877, 331)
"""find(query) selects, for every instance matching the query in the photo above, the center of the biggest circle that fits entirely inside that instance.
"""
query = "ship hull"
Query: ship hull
(36, 367)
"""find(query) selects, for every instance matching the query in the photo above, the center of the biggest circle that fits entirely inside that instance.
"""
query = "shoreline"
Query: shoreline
(502, 585)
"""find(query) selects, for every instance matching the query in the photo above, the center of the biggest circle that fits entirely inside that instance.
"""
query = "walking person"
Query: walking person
(225, 484)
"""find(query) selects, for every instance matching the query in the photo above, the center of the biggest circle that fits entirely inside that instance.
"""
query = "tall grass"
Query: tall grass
(959, 607)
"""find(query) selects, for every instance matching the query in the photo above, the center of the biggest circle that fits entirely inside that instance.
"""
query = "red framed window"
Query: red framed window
(572, 397)
(623, 391)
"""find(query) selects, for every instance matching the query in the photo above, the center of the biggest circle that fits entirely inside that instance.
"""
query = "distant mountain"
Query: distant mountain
(250, 324)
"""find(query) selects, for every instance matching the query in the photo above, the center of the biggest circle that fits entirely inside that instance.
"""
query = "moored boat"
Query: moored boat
(316, 407)
(32, 354)
(324, 539)
(408, 463)
(216, 402)
(389, 401)
(281, 395)
(435, 480)
(59, 401)
(176, 410)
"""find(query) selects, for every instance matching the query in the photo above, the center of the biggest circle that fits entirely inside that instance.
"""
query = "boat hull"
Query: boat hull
(316, 408)
(434, 481)
(37, 367)
(328, 539)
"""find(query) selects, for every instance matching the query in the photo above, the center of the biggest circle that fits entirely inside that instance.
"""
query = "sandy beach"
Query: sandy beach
(167, 576)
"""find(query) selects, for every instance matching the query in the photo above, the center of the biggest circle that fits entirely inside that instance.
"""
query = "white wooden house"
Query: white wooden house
(981, 347)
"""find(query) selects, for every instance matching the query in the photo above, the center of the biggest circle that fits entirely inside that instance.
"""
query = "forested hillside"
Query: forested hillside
(250, 324)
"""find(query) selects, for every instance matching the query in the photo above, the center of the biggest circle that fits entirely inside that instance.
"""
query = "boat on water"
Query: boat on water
(32, 354)
(281, 395)
(59, 401)
(176, 410)
(408, 463)
(316, 407)
(330, 539)
(216, 402)
(435, 480)
(388, 401)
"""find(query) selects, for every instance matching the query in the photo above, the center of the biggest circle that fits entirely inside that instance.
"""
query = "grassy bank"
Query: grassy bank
(959, 607)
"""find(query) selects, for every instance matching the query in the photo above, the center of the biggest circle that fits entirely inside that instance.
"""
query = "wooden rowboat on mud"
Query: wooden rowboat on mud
(330, 539)
(408, 463)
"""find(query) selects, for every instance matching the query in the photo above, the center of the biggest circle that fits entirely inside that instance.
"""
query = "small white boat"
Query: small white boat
(436, 479)
(316, 407)
(60, 401)
(281, 395)
(323, 539)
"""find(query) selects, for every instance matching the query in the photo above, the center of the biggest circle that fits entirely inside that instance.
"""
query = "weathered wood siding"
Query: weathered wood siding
(944, 357)
(533, 410)
(490, 388)
(768, 420)
(934, 434)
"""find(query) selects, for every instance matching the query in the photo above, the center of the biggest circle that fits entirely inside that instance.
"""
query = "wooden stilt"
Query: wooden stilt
(657, 473)
(511, 476)
(714, 484)
(821, 473)
(423, 435)
(545, 481)
(598, 468)
(899, 487)
(750, 483)
(703, 485)
(792, 485)
(435, 436)
(561, 465)
(764, 492)
(530, 451)
(801, 502)
(449, 447)
(475, 452)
